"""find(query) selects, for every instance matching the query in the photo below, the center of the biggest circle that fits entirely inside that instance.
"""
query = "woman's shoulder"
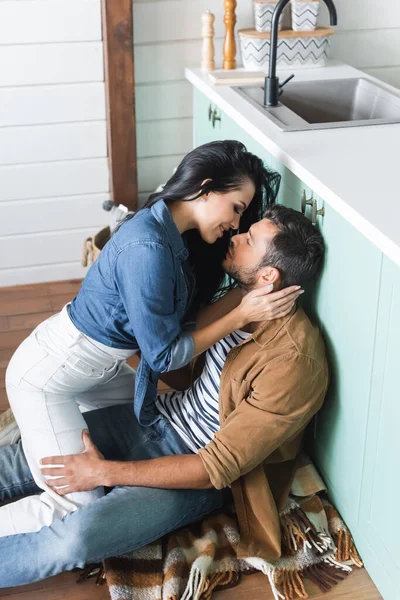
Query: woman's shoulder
(141, 228)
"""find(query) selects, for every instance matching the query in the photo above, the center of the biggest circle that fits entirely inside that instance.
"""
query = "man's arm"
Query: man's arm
(184, 471)
(86, 471)
(283, 398)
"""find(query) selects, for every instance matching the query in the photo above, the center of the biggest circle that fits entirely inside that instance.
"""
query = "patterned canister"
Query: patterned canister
(263, 10)
(304, 14)
(304, 49)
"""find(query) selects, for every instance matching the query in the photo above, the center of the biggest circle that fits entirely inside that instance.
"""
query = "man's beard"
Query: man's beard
(246, 278)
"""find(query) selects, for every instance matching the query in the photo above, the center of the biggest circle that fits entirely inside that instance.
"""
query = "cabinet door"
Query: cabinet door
(204, 131)
(379, 520)
(345, 302)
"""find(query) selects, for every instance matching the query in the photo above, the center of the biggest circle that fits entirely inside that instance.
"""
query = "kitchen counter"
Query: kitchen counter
(354, 169)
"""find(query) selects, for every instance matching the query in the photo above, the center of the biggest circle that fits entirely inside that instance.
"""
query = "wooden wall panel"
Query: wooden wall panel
(45, 180)
(42, 143)
(45, 248)
(120, 93)
(37, 105)
(53, 138)
(164, 100)
(43, 21)
(18, 217)
(51, 63)
(160, 137)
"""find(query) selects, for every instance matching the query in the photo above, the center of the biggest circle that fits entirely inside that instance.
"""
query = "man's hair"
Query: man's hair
(297, 250)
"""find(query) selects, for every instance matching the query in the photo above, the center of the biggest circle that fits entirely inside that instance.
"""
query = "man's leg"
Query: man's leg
(114, 430)
(15, 476)
(126, 519)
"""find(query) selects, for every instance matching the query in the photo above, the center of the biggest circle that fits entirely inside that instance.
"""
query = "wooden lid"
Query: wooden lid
(287, 33)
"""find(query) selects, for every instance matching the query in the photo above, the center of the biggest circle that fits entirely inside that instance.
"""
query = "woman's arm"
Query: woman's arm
(145, 276)
(258, 305)
(211, 313)
(180, 379)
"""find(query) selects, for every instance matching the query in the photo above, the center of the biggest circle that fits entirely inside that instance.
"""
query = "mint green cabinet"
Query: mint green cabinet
(379, 525)
(345, 305)
(354, 438)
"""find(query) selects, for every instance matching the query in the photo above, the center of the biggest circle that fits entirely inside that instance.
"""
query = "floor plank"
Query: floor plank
(87, 590)
(18, 322)
(37, 290)
(22, 308)
(60, 300)
(12, 339)
(5, 355)
(357, 586)
(4, 405)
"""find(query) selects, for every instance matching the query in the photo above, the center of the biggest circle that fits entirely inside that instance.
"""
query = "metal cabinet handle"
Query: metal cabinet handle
(215, 117)
(315, 212)
(305, 202)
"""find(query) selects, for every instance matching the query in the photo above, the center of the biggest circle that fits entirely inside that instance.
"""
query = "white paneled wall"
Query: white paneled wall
(168, 38)
(53, 149)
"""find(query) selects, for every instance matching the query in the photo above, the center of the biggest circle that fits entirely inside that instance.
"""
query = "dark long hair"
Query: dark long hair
(227, 165)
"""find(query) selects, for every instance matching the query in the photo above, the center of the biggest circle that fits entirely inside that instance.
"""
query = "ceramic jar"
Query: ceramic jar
(304, 14)
(308, 49)
(263, 10)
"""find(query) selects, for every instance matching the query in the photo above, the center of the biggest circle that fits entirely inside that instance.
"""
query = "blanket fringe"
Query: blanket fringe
(218, 581)
(195, 585)
(298, 531)
(291, 583)
(346, 550)
(326, 574)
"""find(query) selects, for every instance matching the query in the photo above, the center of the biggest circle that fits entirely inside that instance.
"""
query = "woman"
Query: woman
(136, 297)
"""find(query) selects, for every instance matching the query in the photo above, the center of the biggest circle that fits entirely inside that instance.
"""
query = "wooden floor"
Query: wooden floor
(21, 309)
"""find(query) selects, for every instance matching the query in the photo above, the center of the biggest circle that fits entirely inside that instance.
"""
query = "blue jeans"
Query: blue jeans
(123, 520)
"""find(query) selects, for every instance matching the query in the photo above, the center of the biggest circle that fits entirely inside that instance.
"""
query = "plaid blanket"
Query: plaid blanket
(191, 563)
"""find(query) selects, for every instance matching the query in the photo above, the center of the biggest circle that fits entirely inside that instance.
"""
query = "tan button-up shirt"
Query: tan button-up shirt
(271, 386)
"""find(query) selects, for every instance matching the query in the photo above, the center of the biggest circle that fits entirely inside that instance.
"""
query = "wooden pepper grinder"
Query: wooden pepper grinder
(229, 41)
(208, 52)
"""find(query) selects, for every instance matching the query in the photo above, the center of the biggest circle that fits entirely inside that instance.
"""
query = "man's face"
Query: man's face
(246, 252)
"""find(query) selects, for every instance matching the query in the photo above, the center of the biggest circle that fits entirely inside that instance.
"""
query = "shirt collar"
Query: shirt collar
(269, 329)
(161, 213)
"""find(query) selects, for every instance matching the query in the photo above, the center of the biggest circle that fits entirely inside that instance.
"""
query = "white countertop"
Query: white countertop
(356, 170)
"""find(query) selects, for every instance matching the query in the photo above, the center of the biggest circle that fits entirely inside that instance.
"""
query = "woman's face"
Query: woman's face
(217, 212)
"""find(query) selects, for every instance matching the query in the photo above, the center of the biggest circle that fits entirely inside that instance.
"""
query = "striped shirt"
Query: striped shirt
(194, 413)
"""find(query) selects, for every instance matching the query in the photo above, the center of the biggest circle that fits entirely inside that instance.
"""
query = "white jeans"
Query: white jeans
(56, 368)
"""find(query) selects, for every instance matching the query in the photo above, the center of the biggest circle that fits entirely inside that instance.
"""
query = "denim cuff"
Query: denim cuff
(182, 352)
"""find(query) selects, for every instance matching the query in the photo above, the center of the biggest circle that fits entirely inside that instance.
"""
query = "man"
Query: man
(237, 430)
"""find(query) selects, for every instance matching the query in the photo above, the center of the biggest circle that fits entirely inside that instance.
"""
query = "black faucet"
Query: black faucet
(272, 88)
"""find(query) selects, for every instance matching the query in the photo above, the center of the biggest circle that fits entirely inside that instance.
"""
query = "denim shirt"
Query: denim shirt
(135, 296)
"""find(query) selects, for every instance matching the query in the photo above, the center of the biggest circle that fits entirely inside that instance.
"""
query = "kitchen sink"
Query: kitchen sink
(326, 104)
